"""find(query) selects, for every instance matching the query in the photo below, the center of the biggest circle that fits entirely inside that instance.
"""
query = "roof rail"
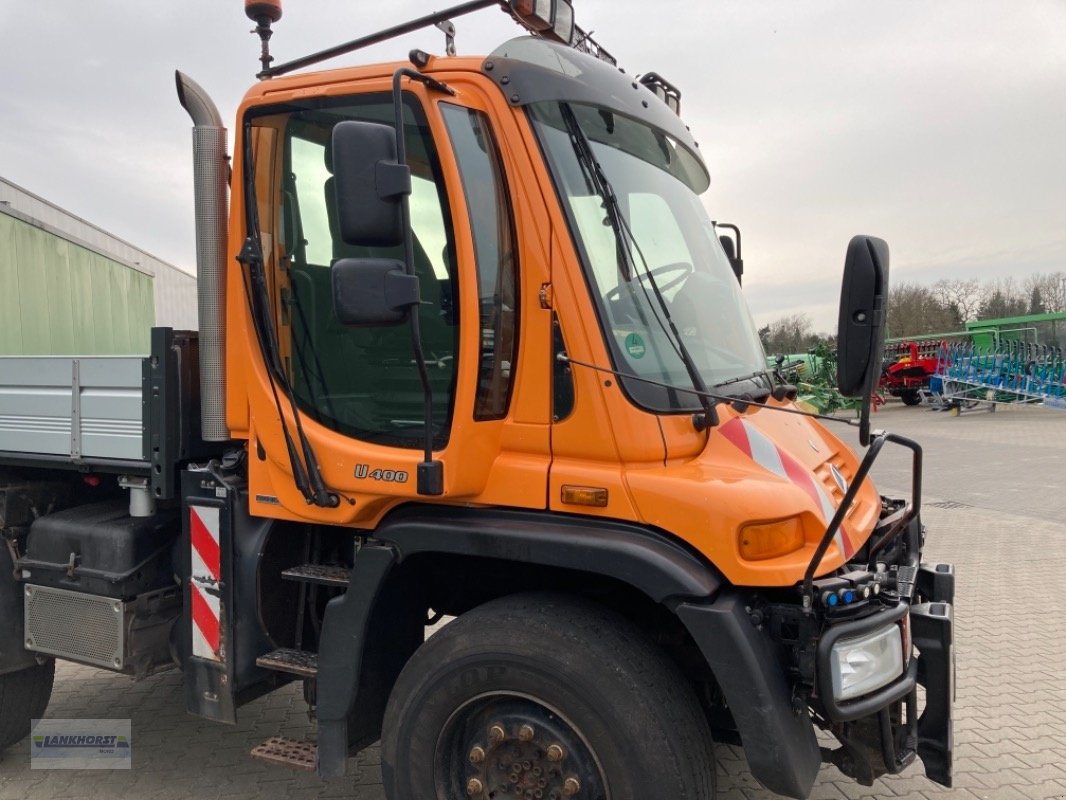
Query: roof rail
(574, 36)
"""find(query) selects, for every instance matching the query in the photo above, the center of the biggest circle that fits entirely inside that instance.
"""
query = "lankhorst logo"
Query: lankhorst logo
(80, 744)
(76, 740)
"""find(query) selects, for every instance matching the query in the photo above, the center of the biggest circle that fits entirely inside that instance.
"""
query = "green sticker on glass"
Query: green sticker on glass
(635, 345)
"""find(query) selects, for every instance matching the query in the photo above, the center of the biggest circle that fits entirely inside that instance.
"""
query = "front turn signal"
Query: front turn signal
(762, 540)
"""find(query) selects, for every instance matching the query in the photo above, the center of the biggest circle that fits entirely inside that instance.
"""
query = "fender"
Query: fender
(636, 555)
(779, 741)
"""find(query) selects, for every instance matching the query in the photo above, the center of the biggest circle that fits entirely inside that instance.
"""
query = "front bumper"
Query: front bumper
(885, 721)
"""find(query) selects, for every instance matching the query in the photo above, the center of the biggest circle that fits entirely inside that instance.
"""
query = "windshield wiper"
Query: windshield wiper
(597, 182)
(306, 474)
(623, 238)
(758, 374)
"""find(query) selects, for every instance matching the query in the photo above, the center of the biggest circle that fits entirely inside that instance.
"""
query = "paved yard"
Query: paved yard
(996, 498)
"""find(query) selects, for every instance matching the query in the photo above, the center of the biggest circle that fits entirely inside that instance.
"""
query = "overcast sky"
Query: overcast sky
(939, 125)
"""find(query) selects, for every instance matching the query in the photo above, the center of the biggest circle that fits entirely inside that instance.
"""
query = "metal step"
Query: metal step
(295, 662)
(322, 574)
(287, 753)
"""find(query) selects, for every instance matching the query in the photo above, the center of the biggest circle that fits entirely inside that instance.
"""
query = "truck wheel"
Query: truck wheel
(24, 696)
(544, 696)
(910, 397)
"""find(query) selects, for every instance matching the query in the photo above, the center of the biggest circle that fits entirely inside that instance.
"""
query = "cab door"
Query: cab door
(357, 390)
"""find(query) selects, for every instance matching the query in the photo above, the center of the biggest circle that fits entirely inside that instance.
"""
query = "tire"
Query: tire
(24, 696)
(910, 397)
(528, 692)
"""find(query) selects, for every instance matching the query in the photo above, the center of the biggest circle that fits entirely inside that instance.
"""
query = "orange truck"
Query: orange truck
(476, 440)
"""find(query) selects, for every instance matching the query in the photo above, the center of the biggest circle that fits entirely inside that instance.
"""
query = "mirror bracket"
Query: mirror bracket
(392, 180)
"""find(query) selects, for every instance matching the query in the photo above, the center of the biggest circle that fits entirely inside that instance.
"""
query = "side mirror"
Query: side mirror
(370, 184)
(861, 326)
(372, 292)
(732, 251)
(861, 329)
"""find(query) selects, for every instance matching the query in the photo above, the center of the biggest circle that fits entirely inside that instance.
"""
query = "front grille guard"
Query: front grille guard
(891, 526)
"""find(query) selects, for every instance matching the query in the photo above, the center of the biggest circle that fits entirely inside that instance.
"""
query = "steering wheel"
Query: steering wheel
(682, 268)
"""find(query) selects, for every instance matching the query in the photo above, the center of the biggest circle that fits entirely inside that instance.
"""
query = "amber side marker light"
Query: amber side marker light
(764, 540)
(584, 496)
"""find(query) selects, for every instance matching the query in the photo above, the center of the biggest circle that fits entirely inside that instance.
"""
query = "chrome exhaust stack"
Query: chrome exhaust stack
(210, 179)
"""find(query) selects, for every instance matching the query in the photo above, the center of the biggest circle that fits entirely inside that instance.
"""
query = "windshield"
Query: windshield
(668, 246)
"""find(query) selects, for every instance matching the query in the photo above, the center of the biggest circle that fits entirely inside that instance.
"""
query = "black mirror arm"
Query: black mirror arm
(430, 475)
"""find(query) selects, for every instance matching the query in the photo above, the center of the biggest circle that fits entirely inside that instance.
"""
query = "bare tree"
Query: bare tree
(914, 310)
(1003, 298)
(962, 294)
(1050, 287)
(793, 333)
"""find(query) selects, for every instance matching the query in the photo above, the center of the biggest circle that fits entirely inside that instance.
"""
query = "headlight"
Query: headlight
(864, 663)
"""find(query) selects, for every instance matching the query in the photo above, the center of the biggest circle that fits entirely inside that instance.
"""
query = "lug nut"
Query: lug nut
(477, 754)
(526, 733)
(497, 733)
(571, 786)
(474, 787)
(556, 752)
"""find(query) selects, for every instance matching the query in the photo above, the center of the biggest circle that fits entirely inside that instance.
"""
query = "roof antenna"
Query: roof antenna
(263, 13)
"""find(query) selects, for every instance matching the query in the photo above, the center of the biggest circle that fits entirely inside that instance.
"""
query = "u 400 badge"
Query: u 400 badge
(365, 472)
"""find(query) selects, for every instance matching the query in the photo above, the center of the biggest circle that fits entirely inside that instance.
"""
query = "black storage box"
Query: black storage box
(100, 549)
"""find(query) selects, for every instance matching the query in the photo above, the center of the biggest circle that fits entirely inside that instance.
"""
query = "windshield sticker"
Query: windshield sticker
(635, 345)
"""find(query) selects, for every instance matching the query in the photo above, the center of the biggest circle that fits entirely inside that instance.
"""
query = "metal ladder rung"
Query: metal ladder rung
(287, 752)
(322, 574)
(295, 662)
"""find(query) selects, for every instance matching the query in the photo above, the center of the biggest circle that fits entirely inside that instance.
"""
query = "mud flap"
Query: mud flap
(779, 743)
(221, 634)
(206, 630)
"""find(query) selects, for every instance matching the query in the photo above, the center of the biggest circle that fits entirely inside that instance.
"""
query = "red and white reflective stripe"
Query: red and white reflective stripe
(761, 449)
(205, 582)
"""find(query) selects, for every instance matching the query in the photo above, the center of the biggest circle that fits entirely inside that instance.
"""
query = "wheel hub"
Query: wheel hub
(516, 748)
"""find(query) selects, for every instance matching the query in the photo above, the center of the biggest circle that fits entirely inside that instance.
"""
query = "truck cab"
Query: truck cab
(474, 351)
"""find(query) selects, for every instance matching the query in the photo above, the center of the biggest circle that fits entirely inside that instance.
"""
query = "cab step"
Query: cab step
(287, 753)
(322, 574)
(295, 662)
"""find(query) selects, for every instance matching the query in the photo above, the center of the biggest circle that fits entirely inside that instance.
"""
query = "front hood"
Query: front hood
(757, 468)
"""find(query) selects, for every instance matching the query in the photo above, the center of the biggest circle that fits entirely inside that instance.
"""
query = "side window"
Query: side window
(562, 376)
(491, 221)
(363, 382)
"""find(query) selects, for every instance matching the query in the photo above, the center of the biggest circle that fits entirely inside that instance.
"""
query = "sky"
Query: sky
(939, 126)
